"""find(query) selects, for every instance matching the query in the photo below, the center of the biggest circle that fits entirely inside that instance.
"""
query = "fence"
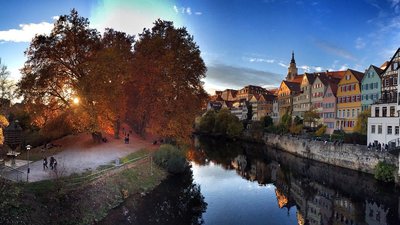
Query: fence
(76, 181)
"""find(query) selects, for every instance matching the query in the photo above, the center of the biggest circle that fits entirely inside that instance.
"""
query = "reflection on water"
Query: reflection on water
(304, 192)
(250, 184)
(177, 200)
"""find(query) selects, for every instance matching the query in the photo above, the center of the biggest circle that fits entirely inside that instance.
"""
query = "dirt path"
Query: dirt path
(80, 154)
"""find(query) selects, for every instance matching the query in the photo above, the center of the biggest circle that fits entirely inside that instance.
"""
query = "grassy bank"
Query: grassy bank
(59, 202)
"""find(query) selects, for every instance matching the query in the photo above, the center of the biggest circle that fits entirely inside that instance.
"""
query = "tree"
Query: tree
(321, 131)
(166, 92)
(362, 122)
(267, 121)
(6, 85)
(3, 124)
(310, 117)
(75, 62)
(286, 120)
(207, 122)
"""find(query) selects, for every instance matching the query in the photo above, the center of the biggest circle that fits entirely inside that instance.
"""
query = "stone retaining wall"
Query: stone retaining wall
(355, 157)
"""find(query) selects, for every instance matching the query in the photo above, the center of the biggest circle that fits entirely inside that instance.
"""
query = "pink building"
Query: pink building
(329, 107)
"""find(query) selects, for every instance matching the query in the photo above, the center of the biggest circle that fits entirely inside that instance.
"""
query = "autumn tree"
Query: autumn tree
(3, 124)
(362, 122)
(310, 117)
(166, 92)
(6, 87)
(75, 62)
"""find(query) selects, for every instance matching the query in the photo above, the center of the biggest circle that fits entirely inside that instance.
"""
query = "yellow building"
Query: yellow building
(348, 100)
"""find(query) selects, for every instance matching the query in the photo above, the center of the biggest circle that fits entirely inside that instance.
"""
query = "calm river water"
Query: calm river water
(239, 183)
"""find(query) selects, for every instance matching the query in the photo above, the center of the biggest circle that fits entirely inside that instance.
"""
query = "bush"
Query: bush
(171, 158)
(321, 131)
(296, 129)
(235, 128)
(384, 172)
(267, 121)
(207, 122)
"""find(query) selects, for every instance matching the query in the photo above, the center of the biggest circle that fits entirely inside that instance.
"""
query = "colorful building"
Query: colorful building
(349, 100)
(302, 102)
(370, 87)
(329, 107)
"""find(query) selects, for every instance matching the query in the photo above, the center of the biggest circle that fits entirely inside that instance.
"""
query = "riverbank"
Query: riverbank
(350, 156)
(55, 202)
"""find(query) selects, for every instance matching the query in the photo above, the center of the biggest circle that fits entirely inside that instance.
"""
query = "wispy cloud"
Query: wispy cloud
(222, 76)
(283, 65)
(335, 50)
(26, 32)
(186, 11)
(360, 43)
(252, 59)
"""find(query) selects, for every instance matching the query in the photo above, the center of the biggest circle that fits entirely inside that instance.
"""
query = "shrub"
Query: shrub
(207, 122)
(171, 158)
(321, 131)
(384, 172)
(235, 128)
(267, 121)
(296, 129)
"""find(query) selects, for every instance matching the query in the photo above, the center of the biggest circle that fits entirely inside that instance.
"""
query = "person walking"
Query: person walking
(54, 164)
(45, 163)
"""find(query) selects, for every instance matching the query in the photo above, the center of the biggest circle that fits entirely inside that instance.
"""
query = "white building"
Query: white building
(275, 111)
(383, 125)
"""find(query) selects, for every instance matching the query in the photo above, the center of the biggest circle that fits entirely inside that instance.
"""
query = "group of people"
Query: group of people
(378, 146)
(53, 163)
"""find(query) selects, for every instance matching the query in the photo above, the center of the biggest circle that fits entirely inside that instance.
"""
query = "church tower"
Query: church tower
(292, 70)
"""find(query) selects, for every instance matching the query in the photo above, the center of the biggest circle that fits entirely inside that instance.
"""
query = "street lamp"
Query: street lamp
(28, 147)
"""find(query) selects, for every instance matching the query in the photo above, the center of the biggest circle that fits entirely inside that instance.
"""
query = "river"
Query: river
(240, 183)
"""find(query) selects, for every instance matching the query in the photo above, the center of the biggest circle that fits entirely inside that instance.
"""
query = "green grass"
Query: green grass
(133, 155)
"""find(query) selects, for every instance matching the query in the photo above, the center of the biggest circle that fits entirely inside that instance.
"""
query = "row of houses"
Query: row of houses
(337, 96)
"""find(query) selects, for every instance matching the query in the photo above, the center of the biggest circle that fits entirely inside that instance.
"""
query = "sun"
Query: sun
(75, 101)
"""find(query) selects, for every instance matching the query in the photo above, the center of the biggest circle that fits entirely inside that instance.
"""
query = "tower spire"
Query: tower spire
(292, 70)
(292, 61)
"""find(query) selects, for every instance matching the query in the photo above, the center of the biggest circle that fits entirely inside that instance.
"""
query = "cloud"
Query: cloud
(360, 43)
(26, 32)
(344, 67)
(259, 60)
(186, 11)
(335, 50)
(308, 69)
(221, 76)
(283, 65)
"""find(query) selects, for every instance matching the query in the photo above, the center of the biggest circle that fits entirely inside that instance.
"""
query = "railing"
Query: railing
(76, 181)
(11, 173)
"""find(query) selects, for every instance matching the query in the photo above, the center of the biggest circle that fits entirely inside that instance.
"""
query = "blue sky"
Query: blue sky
(242, 42)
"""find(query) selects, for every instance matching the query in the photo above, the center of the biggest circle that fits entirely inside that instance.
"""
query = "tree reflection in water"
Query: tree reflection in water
(321, 193)
(177, 200)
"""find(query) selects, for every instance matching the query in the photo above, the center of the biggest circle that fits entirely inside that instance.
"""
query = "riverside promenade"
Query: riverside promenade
(78, 154)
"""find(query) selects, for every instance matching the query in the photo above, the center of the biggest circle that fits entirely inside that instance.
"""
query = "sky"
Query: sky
(242, 42)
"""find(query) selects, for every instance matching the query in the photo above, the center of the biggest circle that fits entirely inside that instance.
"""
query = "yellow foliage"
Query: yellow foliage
(3, 123)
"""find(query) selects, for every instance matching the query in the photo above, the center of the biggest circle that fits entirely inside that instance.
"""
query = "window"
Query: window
(366, 97)
(366, 87)
(396, 130)
(343, 112)
(392, 111)
(376, 85)
(389, 130)
(371, 86)
(379, 129)
(373, 129)
(376, 111)
(395, 81)
(386, 82)
(348, 113)
(352, 113)
(353, 98)
(338, 113)
(384, 111)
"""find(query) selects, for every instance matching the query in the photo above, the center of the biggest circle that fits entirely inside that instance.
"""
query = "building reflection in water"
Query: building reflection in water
(322, 194)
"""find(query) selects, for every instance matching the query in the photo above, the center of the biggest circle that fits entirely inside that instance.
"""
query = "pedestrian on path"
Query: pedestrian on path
(54, 164)
(45, 163)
